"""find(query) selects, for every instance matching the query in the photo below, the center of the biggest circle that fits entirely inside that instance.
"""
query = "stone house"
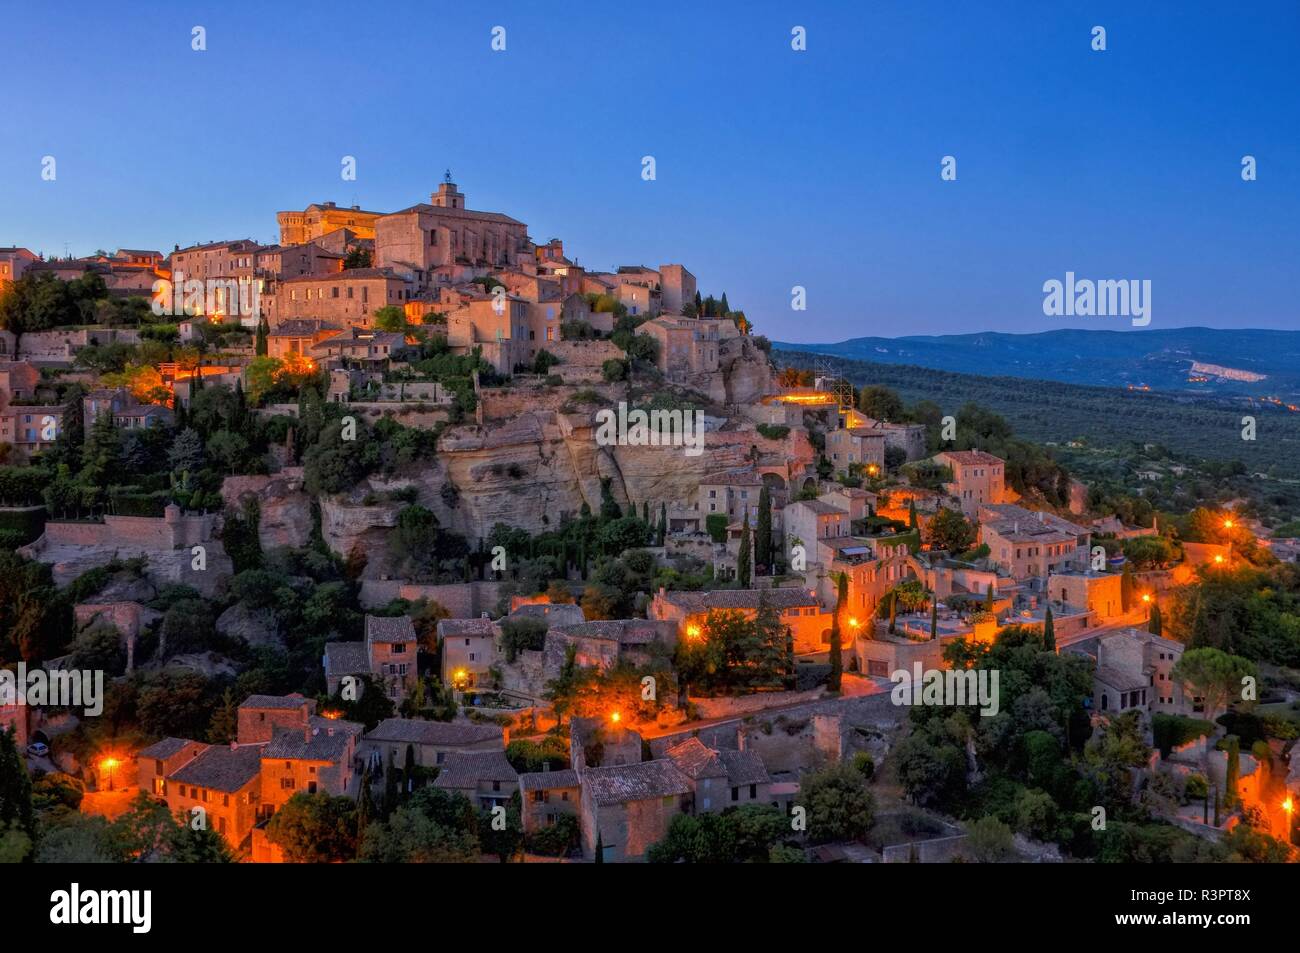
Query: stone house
(485, 777)
(626, 808)
(468, 650)
(432, 741)
(546, 795)
(978, 478)
(389, 654)
(225, 781)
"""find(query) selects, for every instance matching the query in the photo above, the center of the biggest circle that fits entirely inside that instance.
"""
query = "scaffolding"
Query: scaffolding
(829, 379)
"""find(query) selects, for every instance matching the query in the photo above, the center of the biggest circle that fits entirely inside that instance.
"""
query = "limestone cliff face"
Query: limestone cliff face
(284, 507)
(541, 464)
(529, 473)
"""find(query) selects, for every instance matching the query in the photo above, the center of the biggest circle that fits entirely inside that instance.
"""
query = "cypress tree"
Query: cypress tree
(263, 329)
(744, 564)
(645, 512)
(911, 514)
(1049, 632)
(1233, 773)
(763, 541)
(15, 787)
(988, 599)
(1155, 624)
(835, 679)
(893, 610)
(789, 660)
(1126, 587)
(600, 848)
(934, 619)
(663, 522)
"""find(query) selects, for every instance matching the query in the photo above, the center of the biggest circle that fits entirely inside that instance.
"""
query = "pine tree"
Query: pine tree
(833, 682)
(724, 309)
(101, 458)
(1049, 632)
(743, 560)
(763, 540)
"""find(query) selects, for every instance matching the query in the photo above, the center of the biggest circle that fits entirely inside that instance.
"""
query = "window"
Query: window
(496, 785)
(753, 791)
(735, 794)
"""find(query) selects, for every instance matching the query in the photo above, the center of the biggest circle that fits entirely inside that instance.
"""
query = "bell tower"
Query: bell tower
(447, 196)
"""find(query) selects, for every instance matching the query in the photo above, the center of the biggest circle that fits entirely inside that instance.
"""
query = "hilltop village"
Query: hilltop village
(370, 579)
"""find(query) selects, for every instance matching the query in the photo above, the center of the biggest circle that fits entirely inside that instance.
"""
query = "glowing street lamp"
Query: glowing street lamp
(615, 717)
(108, 764)
(692, 632)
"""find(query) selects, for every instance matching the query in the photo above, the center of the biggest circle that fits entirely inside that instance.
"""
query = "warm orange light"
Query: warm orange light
(1146, 597)
(873, 469)
(854, 622)
(1218, 559)
(109, 763)
(692, 631)
(615, 717)
(1227, 524)
(1286, 805)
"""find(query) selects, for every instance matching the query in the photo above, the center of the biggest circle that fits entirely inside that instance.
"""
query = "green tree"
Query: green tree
(1049, 631)
(15, 789)
(1215, 676)
(763, 530)
(1126, 587)
(951, 531)
(315, 828)
(989, 841)
(840, 807)
(833, 681)
(745, 555)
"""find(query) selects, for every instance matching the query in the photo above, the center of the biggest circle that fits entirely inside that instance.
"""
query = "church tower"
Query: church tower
(447, 196)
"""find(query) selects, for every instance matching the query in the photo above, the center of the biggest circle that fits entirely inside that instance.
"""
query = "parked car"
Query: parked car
(38, 749)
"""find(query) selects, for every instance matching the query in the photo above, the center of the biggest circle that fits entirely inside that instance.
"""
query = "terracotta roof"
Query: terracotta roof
(418, 731)
(465, 769)
(619, 784)
(970, 456)
(783, 598)
(346, 658)
(398, 628)
(548, 780)
(302, 327)
(324, 740)
(820, 508)
(623, 631)
(696, 760)
(744, 767)
(222, 768)
(166, 748)
(274, 701)
(463, 627)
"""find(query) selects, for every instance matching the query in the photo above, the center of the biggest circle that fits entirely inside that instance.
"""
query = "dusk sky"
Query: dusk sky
(775, 168)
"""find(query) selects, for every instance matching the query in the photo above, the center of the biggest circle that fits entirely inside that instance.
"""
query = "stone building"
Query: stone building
(432, 741)
(546, 795)
(485, 777)
(425, 237)
(978, 478)
(627, 808)
(347, 298)
(323, 218)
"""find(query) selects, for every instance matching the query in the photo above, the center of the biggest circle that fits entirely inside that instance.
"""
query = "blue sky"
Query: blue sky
(775, 168)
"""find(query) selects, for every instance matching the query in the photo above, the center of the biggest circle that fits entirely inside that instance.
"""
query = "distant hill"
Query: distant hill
(1206, 361)
(1205, 426)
